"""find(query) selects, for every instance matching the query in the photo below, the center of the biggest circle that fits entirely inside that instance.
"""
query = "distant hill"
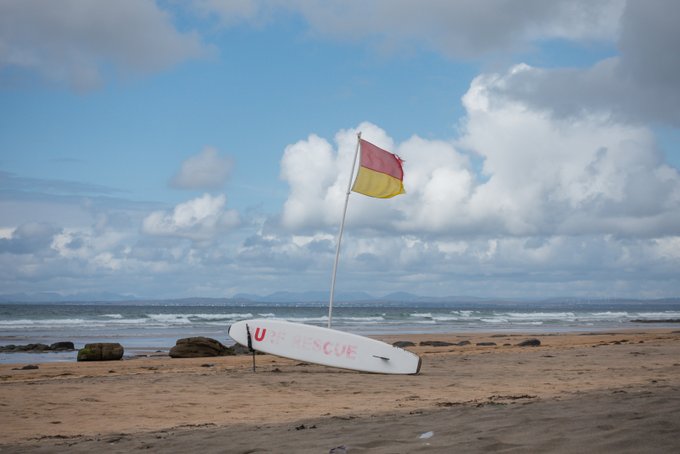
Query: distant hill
(321, 298)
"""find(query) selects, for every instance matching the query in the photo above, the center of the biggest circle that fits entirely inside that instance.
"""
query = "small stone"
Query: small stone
(435, 344)
(403, 344)
(530, 343)
(27, 367)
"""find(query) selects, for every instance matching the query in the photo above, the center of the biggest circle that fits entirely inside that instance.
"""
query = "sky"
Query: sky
(167, 149)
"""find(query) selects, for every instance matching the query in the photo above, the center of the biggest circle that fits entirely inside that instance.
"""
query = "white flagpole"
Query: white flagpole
(342, 227)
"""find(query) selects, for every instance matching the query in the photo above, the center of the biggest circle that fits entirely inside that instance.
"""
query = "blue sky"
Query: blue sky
(202, 148)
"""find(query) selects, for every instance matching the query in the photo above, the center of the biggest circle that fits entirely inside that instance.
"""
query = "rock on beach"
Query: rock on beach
(101, 351)
(199, 347)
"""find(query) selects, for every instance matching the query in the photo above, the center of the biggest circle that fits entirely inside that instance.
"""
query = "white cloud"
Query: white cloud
(74, 40)
(198, 219)
(461, 28)
(207, 170)
(639, 86)
(574, 175)
(318, 177)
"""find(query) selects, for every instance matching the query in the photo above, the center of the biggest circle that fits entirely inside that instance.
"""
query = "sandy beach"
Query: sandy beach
(577, 392)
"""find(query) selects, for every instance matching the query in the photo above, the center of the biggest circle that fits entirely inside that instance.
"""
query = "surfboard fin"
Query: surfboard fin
(381, 357)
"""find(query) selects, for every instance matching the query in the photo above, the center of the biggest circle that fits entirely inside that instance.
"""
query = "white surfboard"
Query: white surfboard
(324, 346)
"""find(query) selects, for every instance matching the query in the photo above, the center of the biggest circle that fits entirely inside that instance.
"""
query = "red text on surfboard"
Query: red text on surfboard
(328, 348)
(259, 336)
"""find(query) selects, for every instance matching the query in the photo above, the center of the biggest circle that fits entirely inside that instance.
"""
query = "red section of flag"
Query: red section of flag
(375, 158)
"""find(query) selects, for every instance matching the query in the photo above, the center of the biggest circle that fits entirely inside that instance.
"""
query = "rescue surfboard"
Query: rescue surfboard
(324, 346)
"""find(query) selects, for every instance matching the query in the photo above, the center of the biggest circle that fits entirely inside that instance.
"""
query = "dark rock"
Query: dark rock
(238, 349)
(27, 367)
(32, 348)
(101, 351)
(198, 347)
(37, 348)
(485, 344)
(62, 346)
(403, 344)
(530, 343)
(435, 344)
(462, 343)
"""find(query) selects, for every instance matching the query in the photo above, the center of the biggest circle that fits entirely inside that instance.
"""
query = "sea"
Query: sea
(153, 327)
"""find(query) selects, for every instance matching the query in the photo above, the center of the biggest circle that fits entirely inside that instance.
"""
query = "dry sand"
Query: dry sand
(602, 392)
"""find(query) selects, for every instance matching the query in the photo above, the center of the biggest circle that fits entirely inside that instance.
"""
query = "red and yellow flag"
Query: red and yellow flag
(380, 173)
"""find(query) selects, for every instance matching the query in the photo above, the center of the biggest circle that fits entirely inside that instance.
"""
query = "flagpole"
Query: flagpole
(342, 228)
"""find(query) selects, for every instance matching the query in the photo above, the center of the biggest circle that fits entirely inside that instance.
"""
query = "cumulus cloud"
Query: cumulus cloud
(28, 238)
(198, 219)
(74, 41)
(318, 176)
(639, 86)
(540, 176)
(207, 170)
(570, 175)
(462, 28)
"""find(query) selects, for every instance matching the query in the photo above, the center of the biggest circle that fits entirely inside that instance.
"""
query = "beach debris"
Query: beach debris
(530, 343)
(208, 365)
(403, 344)
(303, 427)
(198, 347)
(426, 435)
(342, 449)
(102, 351)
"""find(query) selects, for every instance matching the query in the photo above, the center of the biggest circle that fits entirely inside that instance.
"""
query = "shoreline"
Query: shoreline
(135, 350)
(175, 403)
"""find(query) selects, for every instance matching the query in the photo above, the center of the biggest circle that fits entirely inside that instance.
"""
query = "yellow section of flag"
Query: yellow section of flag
(377, 184)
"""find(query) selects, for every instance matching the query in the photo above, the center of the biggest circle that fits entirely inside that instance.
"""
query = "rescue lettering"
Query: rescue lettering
(328, 348)
(259, 337)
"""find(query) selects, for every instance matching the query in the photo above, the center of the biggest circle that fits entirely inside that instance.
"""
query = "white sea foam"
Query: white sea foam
(540, 315)
(658, 315)
(235, 316)
(362, 319)
(494, 320)
(609, 315)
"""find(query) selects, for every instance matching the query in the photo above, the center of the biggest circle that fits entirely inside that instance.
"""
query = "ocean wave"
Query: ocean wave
(43, 322)
(540, 315)
(658, 315)
(609, 314)
(236, 316)
(362, 319)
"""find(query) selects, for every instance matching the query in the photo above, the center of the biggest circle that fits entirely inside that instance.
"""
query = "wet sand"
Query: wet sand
(600, 392)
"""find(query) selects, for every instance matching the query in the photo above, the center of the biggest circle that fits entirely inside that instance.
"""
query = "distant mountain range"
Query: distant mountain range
(314, 297)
